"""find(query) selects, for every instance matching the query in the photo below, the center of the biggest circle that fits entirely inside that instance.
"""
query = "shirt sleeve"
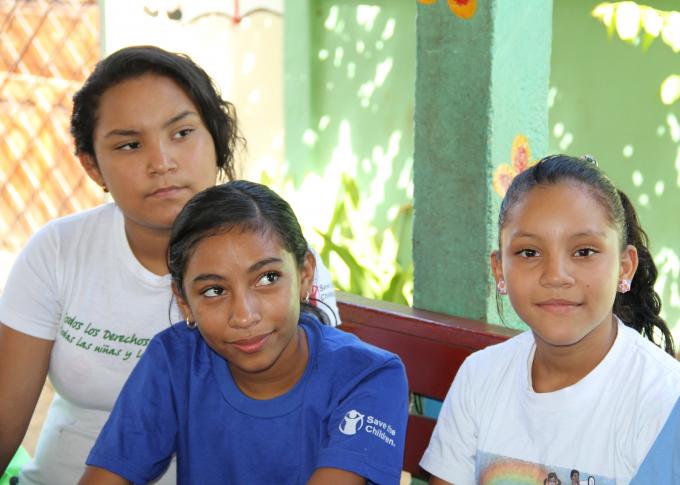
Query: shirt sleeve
(662, 463)
(30, 301)
(367, 427)
(452, 449)
(139, 437)
(324, 291)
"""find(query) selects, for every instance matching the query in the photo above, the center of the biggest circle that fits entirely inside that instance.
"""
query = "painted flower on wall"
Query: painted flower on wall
(520, 161)
(465, 9)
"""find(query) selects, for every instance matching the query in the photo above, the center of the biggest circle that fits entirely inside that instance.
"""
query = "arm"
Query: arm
(322, 476)
(24, 361)
(100, 476)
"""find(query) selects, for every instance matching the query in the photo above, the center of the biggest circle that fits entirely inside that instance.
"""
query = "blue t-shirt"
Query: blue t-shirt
(662, 463)
(348, 411)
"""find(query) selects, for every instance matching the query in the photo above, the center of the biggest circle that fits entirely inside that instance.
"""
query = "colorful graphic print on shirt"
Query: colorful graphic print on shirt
(496, 470)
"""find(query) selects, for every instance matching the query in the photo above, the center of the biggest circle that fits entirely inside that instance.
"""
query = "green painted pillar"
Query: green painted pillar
(481, 85)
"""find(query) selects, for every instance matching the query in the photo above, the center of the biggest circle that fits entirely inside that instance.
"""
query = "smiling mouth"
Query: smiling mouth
(251, 345)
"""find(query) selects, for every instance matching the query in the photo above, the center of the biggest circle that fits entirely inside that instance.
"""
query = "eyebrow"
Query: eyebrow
(586, 233)
(255, 267)
(174, 119)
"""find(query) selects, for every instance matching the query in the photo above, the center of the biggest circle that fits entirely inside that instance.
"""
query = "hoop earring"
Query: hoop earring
(502, 287)
(624, 286)
(190, 324)
(305, 300)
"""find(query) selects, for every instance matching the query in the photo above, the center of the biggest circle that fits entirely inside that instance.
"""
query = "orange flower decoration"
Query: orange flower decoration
(521, 160)
(463, 8)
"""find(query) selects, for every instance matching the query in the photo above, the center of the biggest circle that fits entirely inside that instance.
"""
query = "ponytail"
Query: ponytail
(639, 308)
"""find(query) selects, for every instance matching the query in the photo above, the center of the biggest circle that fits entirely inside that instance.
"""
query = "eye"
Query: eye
(527, 253)
(183, 133)
(129, 146)
(268, 278)
(212, 292)
(584, 252)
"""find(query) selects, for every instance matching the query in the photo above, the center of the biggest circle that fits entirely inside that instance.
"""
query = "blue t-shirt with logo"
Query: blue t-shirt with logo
(348, 411)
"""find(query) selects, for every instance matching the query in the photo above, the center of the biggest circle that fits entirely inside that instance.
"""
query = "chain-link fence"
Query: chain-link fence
(47, 49)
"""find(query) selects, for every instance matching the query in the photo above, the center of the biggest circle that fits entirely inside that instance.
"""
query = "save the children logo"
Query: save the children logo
(353, 422)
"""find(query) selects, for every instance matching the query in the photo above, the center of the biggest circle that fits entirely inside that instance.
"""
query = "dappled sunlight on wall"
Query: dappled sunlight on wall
(359, 144)
(605, 101)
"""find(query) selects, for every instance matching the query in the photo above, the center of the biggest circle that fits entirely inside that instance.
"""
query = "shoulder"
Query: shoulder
(656, 369)
(339, 348)
(75, 226)
(177, 341)
(502, 355)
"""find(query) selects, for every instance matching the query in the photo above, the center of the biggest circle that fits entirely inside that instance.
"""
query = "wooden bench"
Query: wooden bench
(432, 347)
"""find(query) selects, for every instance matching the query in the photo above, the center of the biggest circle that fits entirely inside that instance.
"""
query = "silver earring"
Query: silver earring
(624, 286)
(191, 324)
(501, 287)
(306, 298)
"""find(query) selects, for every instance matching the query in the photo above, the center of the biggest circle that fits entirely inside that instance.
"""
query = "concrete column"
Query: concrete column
(481, 84)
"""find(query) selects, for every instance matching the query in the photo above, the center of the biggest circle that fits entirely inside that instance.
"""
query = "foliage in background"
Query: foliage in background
(642, 25)
(361, 259)
(365, 261)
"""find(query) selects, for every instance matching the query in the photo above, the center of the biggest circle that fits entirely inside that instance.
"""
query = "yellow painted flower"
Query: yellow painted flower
(520, 157)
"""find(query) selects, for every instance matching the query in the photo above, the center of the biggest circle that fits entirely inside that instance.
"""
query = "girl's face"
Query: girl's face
(153, 151)
(561, 259)
(243, 289)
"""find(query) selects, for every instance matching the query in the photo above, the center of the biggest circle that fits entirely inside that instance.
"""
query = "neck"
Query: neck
(557, 367)
(149, 245)
(281, 376)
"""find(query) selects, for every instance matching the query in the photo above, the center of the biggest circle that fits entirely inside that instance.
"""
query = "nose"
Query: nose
(161, 159)
(556, 272)
(244, 312)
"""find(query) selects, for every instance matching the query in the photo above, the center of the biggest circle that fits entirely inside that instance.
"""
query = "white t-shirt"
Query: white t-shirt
(494, 426)
(78, 283)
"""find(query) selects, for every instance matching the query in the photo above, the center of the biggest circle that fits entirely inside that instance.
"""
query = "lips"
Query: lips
(168, 191)
(559, 306)
(252, 344)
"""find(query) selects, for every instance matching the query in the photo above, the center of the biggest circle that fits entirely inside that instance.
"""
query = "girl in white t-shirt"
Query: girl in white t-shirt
(90, 290)
(586, 390)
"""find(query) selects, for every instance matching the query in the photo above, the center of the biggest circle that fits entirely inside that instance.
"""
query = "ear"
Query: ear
(307, 275)
(90, 166)
(496, 266)
(629, 263)
(183, 305)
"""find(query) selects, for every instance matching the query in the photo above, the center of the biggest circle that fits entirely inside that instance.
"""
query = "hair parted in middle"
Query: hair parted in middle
(236, 205)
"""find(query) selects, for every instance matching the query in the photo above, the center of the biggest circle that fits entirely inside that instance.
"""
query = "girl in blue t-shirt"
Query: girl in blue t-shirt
(252, 388)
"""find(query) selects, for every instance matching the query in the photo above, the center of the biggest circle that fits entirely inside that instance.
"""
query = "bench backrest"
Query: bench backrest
(431, 345)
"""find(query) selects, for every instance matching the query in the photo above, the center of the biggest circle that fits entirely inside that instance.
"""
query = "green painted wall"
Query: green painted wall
(605, 101)
(349, 75)
(480, 83)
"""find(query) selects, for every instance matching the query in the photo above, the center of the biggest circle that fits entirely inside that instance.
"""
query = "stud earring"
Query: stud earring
(624, 286)
(501, 287)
